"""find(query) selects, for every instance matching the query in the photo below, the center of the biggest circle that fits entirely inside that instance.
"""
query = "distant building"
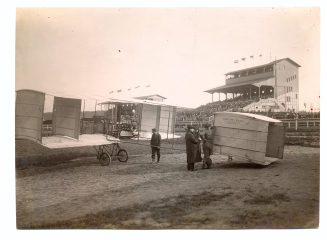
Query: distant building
(277, 80)
(154, 97)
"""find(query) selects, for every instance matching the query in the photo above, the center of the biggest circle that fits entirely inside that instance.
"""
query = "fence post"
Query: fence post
(289, 124)
(307, 124)
(168, 123)
(296, 125)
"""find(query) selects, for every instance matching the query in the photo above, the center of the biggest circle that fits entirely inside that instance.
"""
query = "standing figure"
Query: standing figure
(155, 145)
(198, 147)
(191, 147)
(207, 146)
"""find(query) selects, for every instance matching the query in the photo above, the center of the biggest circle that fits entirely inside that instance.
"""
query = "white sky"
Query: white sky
(180, 52)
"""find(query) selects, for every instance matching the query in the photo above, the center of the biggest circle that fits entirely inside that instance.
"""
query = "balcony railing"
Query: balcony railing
(249, 78)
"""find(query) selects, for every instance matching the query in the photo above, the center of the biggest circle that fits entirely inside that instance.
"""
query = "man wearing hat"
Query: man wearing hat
(207, 138)
(191, 147)
(155, 145)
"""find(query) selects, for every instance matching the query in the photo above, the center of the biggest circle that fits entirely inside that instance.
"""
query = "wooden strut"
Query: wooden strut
(168, 123)
(174, 116)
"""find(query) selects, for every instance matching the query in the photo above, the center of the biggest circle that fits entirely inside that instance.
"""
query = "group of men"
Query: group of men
(193, 140)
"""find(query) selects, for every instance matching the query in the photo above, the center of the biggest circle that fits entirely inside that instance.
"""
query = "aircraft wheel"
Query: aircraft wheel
(104, 159)
(122, 155)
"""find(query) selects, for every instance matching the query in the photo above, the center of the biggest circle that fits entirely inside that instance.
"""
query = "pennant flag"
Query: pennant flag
(119, 90)
(147, 86)
(111, 92)
(129, 89)
(251, 56)
(260, 55)
(243, 59)
(235, 61)
(137, 86)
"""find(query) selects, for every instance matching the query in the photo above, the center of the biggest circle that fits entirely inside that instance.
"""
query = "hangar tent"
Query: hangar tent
(143, 115)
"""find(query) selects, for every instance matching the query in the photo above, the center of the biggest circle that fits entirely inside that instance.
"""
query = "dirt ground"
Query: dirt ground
(141, 195)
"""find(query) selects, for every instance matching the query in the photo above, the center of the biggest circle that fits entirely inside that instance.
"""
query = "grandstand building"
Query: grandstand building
(272, 87)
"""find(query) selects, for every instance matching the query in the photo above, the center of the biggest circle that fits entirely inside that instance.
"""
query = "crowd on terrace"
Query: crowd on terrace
(203, 112)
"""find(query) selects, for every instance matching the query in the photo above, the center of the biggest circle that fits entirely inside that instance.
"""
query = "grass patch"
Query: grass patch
(262, 199)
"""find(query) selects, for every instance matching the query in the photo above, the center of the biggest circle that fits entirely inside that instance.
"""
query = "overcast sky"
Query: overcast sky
(179, 52)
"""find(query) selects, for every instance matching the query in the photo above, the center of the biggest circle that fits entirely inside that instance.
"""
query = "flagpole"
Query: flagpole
(275, 91)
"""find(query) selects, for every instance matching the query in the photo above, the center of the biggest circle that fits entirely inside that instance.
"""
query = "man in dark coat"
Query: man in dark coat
(207, 138)
(197, 135)
(191, 148)
(155, 145)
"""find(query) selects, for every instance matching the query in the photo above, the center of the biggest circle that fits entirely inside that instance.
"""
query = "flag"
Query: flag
(147, 86)
(260, 55)
(111, 92)
(129, 89)
(119, 90)
(137, 86)
(251, 56)
(243, 59)
(235, 61)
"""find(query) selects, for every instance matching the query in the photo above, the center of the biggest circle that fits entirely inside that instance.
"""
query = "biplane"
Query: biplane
(252, 137)
(131, 118)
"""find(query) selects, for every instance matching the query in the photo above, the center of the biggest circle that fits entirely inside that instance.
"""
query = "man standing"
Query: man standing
(155, 145)
(207, 146)
(191, 147)
(197, 136)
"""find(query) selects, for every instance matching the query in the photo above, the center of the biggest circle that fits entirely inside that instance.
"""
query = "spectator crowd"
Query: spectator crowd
(203, 112)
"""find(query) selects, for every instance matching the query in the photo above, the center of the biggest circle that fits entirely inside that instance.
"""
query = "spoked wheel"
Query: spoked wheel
(122, 155)
(104, 159)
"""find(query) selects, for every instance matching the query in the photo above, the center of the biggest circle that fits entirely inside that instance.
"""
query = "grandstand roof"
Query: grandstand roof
(137, 101)
(149, 96)
(273, 62)
(243, 84)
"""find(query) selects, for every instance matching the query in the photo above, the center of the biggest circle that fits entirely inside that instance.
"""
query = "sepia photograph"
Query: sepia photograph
(167, 117)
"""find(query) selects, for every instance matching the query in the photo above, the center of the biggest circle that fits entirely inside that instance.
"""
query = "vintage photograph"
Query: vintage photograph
(167, 118)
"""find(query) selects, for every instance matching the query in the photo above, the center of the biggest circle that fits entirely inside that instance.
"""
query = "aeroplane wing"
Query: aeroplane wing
(84, 140)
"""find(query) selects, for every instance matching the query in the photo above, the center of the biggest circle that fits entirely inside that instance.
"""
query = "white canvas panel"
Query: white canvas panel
(241, 134)
(29, 114)
(66, 117)
(240, 121)
(149, 117)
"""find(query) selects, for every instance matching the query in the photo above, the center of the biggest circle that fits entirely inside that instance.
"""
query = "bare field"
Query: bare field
(141, 195)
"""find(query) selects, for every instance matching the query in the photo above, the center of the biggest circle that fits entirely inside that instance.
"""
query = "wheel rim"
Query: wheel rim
(104, 159)
(122, 156)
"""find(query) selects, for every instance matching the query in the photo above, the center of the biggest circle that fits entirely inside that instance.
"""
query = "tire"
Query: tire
(122, 155)
(209, 163)
(104, 159)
